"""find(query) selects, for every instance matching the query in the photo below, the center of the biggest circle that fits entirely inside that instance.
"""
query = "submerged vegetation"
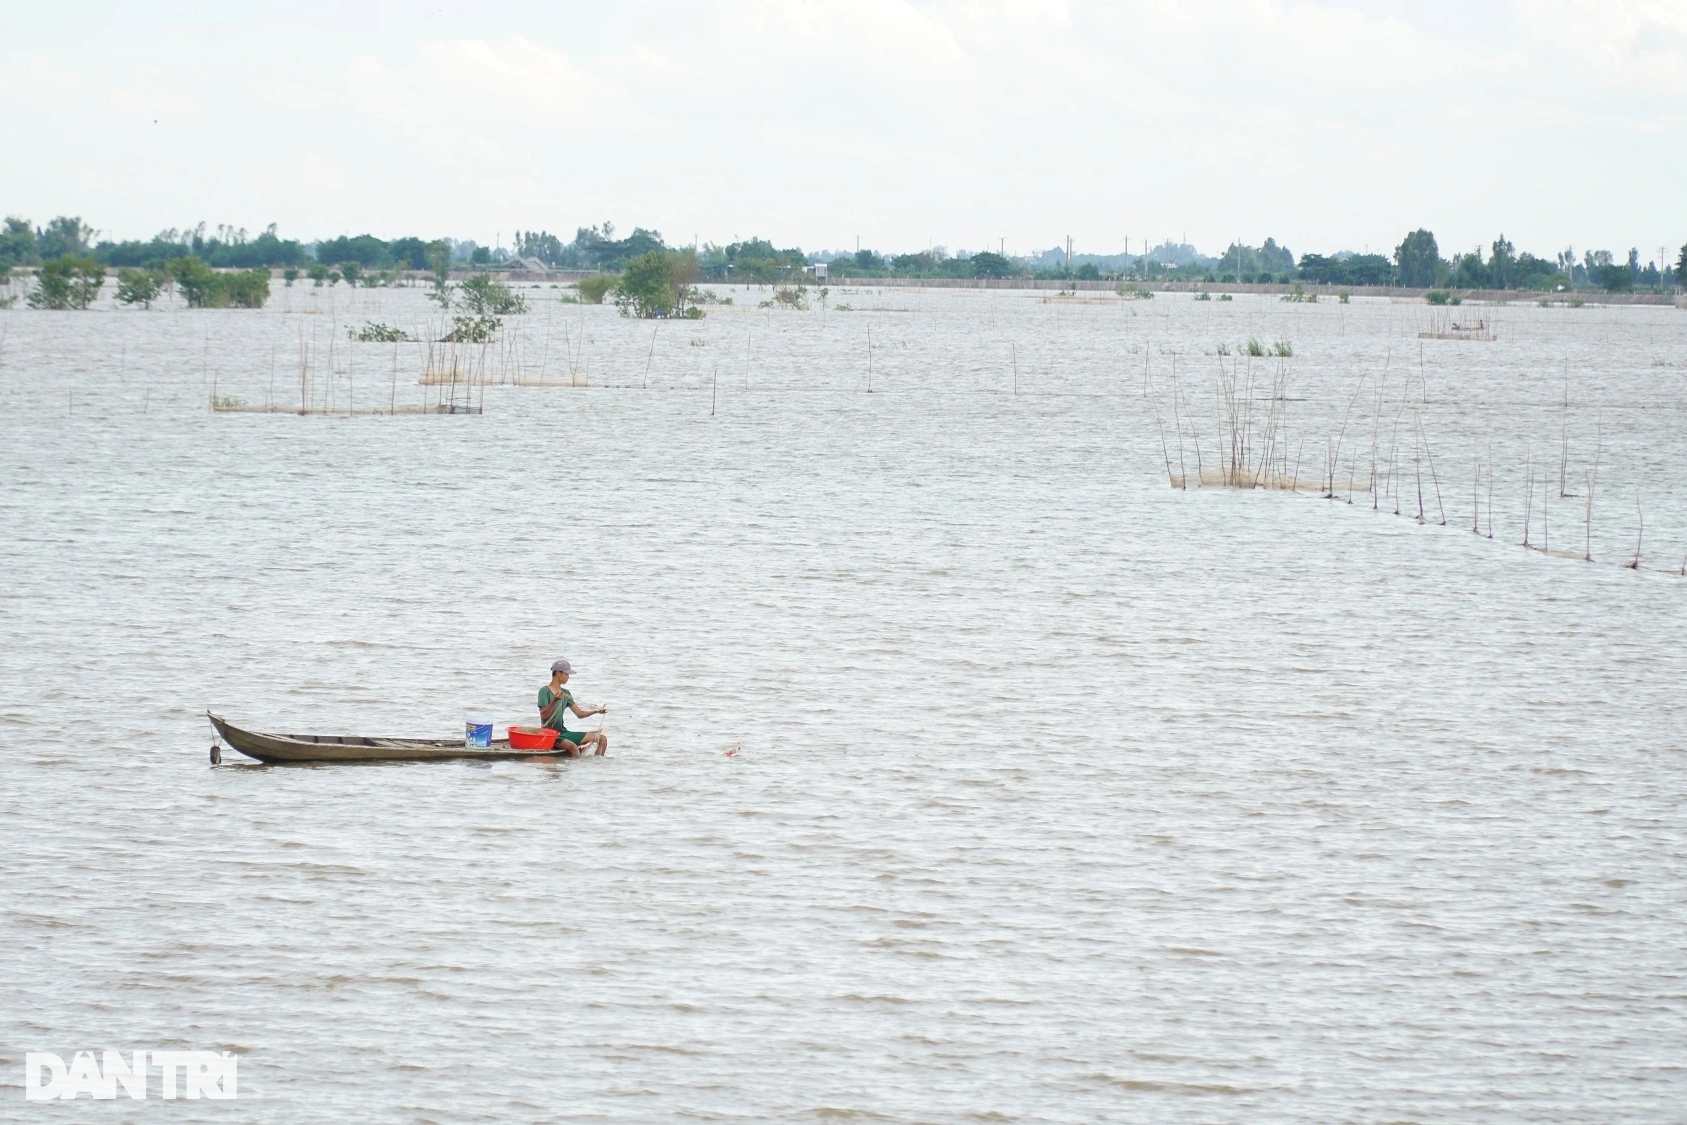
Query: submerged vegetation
(372, 333)
(659, 284)
(592, 290)
(141, 287)
(788, 297)
(472, 330)
(483, 296)
(67, 282)
(204, 288)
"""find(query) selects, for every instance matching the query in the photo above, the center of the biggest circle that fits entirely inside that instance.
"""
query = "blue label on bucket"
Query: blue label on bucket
(477, 735)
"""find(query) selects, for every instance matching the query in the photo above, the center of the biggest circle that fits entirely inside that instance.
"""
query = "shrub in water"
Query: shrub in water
(485, 297)
(67, 282)
(204, 288)
(139, 287)
(378, 334)
(471, 329)
(593, 289)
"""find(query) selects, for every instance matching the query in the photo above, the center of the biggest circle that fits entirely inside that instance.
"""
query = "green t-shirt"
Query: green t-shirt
(546, 696)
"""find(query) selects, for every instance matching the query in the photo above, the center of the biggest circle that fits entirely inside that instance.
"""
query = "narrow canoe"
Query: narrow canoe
(353, 748)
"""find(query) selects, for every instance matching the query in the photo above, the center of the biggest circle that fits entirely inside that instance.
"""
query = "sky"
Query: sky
(968, 124)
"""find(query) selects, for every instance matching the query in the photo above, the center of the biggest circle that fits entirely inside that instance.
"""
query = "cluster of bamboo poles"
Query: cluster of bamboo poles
(328, 382)
(506, 359)
(1254, 444)
(1251, 408)
(458, 371)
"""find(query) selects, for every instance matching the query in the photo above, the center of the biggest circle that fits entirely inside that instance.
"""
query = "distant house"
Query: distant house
(817, 271)
(527, 265)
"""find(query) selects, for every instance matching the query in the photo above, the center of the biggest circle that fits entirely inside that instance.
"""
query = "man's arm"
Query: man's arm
(549, 710)
(587, 714)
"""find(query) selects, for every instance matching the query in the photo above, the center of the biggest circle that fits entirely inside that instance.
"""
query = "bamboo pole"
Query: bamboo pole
(1490, 490)
(1183, 473)
(1476, 496)
(1634, 564)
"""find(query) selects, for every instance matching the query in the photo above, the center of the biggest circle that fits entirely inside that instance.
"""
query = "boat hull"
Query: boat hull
(355, 748)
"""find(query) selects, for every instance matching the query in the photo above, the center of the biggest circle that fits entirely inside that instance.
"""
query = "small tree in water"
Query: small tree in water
(439, 261)
(204, 288)
(139, 287)
(658, 284)
(67, 282)
(485, 297)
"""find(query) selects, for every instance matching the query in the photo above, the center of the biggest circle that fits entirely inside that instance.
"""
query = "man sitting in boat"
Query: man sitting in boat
(554, 700)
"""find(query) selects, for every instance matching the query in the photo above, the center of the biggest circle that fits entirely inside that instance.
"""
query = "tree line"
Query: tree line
(71, 282)
(1417, 262)
(24, 244)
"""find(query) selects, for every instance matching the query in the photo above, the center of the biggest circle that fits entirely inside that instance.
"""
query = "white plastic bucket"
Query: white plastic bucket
(477, 730)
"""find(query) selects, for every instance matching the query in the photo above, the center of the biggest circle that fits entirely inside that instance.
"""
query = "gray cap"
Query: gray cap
(563, 666)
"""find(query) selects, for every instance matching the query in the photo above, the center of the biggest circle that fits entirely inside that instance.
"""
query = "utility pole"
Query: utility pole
(1068, 253)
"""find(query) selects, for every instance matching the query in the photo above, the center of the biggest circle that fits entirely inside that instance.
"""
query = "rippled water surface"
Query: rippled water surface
(1059, 796)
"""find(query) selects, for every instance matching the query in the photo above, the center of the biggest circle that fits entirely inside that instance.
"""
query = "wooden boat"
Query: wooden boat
(354, 748)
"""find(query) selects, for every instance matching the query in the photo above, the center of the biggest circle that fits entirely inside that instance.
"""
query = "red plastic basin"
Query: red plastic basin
(532, 738)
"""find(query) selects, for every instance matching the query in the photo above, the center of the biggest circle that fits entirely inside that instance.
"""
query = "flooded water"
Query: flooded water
(1058, 794)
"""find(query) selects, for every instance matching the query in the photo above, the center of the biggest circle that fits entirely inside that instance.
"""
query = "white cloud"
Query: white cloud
(1328, 123)
(466, 82)
(1623, 43)
(153, 102)
(43, 73)
(312, 173)
(293, 95)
